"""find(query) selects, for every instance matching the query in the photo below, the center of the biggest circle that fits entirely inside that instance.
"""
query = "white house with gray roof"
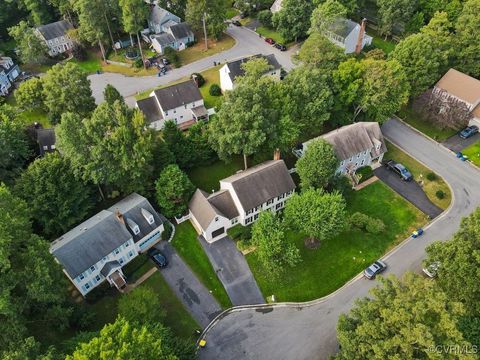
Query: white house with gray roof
(181, 103)
(177, 36)
(240, 199)
(9, 71)
(233, 69)
(160, 19)
(349, 35)
(97, 249)
(356, 146)
(55, 37)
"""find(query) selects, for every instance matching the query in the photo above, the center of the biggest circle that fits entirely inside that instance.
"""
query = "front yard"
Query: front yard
(188, 247)
(473, 153)
(420, 174)
(337, 260)
(197, 51)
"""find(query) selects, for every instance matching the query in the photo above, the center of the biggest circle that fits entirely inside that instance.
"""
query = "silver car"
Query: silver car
(432, 269)
(373, 270)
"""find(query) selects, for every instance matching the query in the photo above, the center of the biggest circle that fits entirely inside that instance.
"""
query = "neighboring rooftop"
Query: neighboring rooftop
(261, 183)
(150, 109)
(158, 14)
(181, 31)
(460, 85)
(177, 95)
(54, 30)
(205, 207)
(164, 39)
(236, 68)
(46, 140)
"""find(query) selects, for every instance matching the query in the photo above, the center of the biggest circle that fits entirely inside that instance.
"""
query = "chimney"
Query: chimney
(276, 154)
(119, 216)
(361, 34)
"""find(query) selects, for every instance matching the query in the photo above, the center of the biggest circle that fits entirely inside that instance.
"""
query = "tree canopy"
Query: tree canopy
(467, 33)
(32, 49)
(111, 94)
(215, 12)
(319, 52)
(326, 15)
(293, 20)
(316, 168)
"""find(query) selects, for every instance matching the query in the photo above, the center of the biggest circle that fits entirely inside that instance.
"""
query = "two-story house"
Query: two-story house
(349, 35)
(160, 19)
(240, 199)
(356, 146)
(181, 103)
(9, 71)
(457, 85)
(97, 249)
(55, 37)
(233, 69)
(177, 36)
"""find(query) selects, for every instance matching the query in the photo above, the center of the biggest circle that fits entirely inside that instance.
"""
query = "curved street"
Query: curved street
(308, 330)
(247, 43)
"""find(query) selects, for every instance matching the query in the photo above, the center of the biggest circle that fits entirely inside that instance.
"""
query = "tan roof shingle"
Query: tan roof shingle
(461, 86)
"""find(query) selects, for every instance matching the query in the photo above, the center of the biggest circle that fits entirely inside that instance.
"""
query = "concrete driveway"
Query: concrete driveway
(456, 143)
(411, 191)
(233, 271)
(247, 43)
(191, 292)
(308, 330)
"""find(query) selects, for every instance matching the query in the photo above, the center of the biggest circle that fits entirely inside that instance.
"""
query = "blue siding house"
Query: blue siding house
(8, 73)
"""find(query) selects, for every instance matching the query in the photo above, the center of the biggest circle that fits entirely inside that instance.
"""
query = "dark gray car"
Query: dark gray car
(373, 270)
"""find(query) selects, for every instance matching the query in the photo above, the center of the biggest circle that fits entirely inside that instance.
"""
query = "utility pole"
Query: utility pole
(205, 30)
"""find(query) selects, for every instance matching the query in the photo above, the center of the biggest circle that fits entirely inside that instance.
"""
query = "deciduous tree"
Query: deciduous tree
(293, 20)
(32, 49)
(140, 306)
(317, 166)
(178, 144)
(327, 15)
(29, 94)
(214, 12)
(394, 12)
(111, 94)
(134, 14)
(319, 52)
(467, 33)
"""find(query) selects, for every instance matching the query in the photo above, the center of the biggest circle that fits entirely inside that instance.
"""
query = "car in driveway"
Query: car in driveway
(270, 41)
(280, 47)
(469, 131)
(236, 23)
(399, 169)
(158, 258)
(431, 270)
(373, 270)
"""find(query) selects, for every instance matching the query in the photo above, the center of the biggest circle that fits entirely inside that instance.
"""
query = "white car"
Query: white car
(431, 270)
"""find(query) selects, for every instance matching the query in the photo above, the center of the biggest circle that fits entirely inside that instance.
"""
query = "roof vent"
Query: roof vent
(133, 225)
(148, 216)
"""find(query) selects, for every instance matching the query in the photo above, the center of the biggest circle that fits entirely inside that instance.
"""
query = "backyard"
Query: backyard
(337, 260)
(28, 117)
(379, 42)
(188, 247)
(473, 153)
(420, 174)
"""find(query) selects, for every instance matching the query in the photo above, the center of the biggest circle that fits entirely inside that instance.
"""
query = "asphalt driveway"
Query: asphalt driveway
(456, 143)
(233, 271)
(410, 190)
(192, 293)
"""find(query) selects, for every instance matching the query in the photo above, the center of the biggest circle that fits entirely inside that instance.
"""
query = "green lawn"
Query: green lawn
(137, 267)
(271, 33)
(473, 153)
(89, 65)
(379, 42)
(426, 127)
(420, 172)
(337, 260)
(30, 116)
(207, 177)
(186, 243)
(232, 12)
(197, 51)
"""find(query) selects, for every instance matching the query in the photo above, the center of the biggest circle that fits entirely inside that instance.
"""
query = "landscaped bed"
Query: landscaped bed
(432, 183)
(188, 247)
(473, 153)
(337, 260)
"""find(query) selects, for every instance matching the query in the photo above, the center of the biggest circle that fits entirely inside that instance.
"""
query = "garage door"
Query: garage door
(218, 232)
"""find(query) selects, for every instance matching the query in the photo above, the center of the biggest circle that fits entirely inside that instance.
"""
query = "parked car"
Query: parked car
(158, 258)
(373, 270)
(236, 23)
(469, 131)
(399, 169)
(165, 61)
(270, 41)
(281, 47)
(431, 270)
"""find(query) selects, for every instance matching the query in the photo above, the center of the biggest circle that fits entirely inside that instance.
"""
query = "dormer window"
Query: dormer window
(148, 216)
(133, 226)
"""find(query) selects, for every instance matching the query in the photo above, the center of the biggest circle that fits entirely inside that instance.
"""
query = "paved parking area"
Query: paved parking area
(456, 143)
(233, 271)
(411, 191)
(191, 292)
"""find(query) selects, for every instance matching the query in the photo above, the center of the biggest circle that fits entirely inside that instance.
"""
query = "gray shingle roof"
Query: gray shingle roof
(222, 201)
(54, 30)
(201, 209)
(177, 95)
(180, 31)
(92, 240)
(109, 266)
(158, 14)
(164, 39)
(355, 138)
(46, 137)
(149, 108)
(343, 27)
(261, 183)
(236, 69)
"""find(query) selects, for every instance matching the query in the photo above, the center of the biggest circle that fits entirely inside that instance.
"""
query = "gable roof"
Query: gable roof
(343, 27)
(174, 96)
(460, 85)
(164, 39)
(46, 137)
(158, 14)
(205, 207)
(355, 138)
(149, 108)
(261, 183)
(235, 67)
(181, 31)
(54, 30)
(109, 266)
(89, 242)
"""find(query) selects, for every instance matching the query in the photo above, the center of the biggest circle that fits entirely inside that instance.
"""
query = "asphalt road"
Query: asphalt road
(307, 330)
(247, 43)
(456, 143)
(233, 271)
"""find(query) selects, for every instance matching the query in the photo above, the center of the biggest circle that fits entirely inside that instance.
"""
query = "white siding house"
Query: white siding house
(97, 249)
(233, 69)
(177, 36)
(160, 19)
(55, 37)
(240, 199)
(348, 34)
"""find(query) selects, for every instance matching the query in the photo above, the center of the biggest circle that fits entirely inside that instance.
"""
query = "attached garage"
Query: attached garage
(218, 232)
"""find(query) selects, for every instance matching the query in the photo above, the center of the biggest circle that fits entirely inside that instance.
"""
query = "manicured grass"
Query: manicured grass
(186, 243)
(207, 177)
(232, 12)
(420, 172)
(473, 153)
(129, 71)
(137, 267)
(89, 65)
(197, 51)
(426, 127)
(30, 116)
(379, 42)
(337, 260)
(271, 33)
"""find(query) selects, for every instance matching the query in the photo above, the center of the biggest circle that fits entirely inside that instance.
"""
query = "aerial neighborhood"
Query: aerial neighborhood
(288, 179)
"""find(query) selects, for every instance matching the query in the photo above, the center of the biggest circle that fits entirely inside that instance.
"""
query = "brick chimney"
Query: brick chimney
(361, 35)
(119, 216)
(276, 154)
